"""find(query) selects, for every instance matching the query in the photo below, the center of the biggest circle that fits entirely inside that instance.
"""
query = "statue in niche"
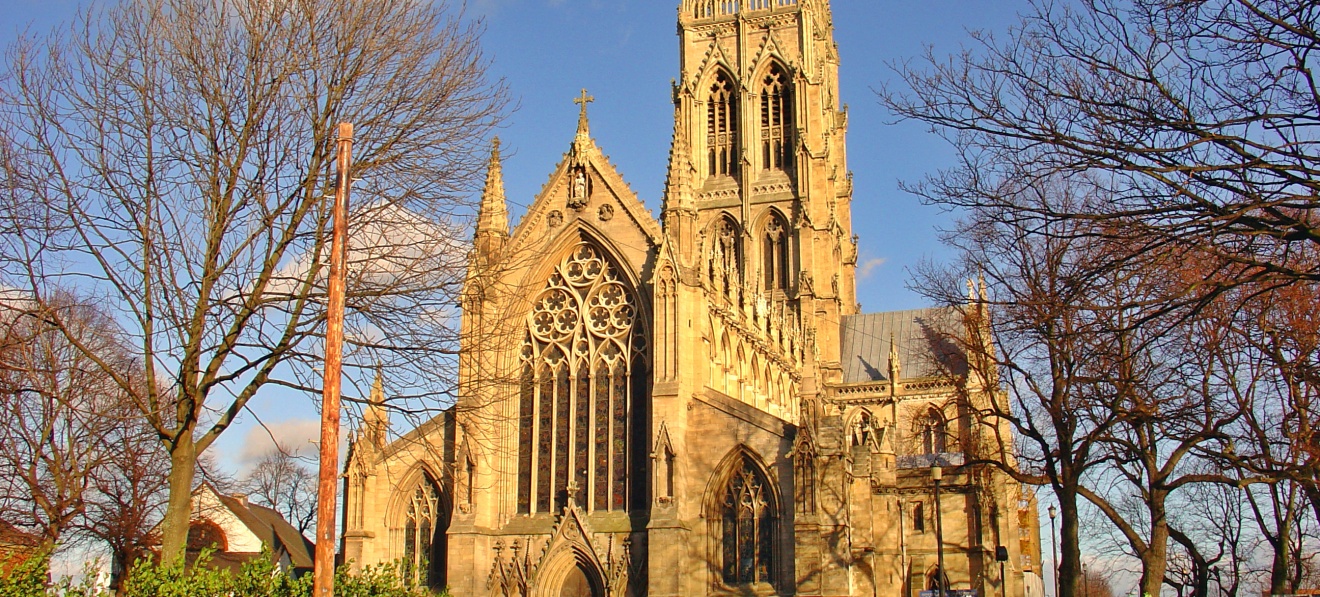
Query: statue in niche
(577, 198)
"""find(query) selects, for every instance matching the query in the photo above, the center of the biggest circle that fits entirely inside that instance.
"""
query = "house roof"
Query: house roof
(271, 528)
(920, 338)
(11, 535)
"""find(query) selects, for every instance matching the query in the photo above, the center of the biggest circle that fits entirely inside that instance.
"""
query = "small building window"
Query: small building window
(424, 533)
(919, 517)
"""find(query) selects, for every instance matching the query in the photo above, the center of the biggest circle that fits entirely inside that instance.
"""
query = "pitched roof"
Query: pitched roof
(920, 337)
(271, 528)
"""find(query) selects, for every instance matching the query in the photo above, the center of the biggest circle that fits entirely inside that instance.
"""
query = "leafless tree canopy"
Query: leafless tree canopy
(173, 158)
(281, 482)
(1197, 120)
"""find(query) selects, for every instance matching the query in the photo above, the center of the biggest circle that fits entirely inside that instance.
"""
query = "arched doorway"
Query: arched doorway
(578, 584)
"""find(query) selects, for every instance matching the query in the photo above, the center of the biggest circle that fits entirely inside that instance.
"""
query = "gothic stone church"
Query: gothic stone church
(695, 406)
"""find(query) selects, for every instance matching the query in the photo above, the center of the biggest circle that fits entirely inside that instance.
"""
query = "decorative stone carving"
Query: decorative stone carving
(605, 213)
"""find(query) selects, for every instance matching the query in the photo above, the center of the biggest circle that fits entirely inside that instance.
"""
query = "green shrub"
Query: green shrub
(259, 577)
(28, 578)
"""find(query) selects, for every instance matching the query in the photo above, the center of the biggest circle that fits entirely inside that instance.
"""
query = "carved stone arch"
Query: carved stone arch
(570, 567)
(742, 507)
(419, 514)
(776, 116)
(860, 425)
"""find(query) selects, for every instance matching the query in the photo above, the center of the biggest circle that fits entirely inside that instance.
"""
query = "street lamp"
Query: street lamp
(936, 474)
(1054, 549)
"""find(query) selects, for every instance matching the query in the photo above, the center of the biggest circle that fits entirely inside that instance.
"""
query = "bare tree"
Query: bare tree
(58, 410)
(282, 483)
(1036, 331)
(1198, 119)
(177, 156)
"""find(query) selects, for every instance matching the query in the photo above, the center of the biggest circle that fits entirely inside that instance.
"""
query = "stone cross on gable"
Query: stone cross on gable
(584, 100)
(582, 117)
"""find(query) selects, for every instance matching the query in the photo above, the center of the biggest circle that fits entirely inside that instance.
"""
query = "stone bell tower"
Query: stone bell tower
(758, 184)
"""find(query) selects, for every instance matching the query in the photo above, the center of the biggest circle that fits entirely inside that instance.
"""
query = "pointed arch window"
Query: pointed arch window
(775, 248)
(424, 546)
(776, 120)
(932, 432)
(583, 373)
(722, 127)
(748, 534)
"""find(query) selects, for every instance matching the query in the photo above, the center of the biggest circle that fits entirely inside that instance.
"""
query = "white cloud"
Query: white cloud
(299, 436)
(869, 266)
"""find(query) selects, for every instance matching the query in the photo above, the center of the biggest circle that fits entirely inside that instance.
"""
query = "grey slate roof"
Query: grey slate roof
(920, 337)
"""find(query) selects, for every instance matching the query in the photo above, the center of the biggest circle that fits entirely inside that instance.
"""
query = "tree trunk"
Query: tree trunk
(1070, 555)
(1155, 560)
(178, 510)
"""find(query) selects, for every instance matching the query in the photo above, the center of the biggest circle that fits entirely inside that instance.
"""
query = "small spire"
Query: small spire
(493, 214)
(678, 183)
(378, 387)
(583, 130)
(895, 367)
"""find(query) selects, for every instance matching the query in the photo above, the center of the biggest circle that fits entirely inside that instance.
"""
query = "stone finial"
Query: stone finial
(895, 367)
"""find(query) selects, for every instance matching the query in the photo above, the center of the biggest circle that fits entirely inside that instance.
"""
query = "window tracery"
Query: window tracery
(776, 120)
(722, 127)
(748, 518)
(424, 551)
(932, 432)
(582, 359)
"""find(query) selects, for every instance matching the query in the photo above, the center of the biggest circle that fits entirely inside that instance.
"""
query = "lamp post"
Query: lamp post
(1054, 549)
(936, 474)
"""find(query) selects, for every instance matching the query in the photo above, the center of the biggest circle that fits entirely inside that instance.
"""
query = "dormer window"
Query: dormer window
(776, 120)
(722, 127)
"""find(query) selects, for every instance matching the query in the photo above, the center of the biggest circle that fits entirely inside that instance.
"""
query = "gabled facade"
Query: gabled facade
(693, 405)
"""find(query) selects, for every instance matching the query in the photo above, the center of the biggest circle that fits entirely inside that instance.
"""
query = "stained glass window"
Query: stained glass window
(581, 329)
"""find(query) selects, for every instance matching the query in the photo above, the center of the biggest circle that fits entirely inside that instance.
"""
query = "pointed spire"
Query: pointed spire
(493, 215)
(678, 183)
(378, 388)
(376, 421)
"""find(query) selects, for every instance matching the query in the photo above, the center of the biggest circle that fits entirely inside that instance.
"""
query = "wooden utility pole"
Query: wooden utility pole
(324, 579)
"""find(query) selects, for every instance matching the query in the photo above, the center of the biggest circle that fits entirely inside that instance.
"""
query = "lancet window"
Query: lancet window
(775, 249)
(583, 372)
(749, 527)
(932, 432)
(776, 120)
(748, 518)
(722, 127)
(424, 525)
